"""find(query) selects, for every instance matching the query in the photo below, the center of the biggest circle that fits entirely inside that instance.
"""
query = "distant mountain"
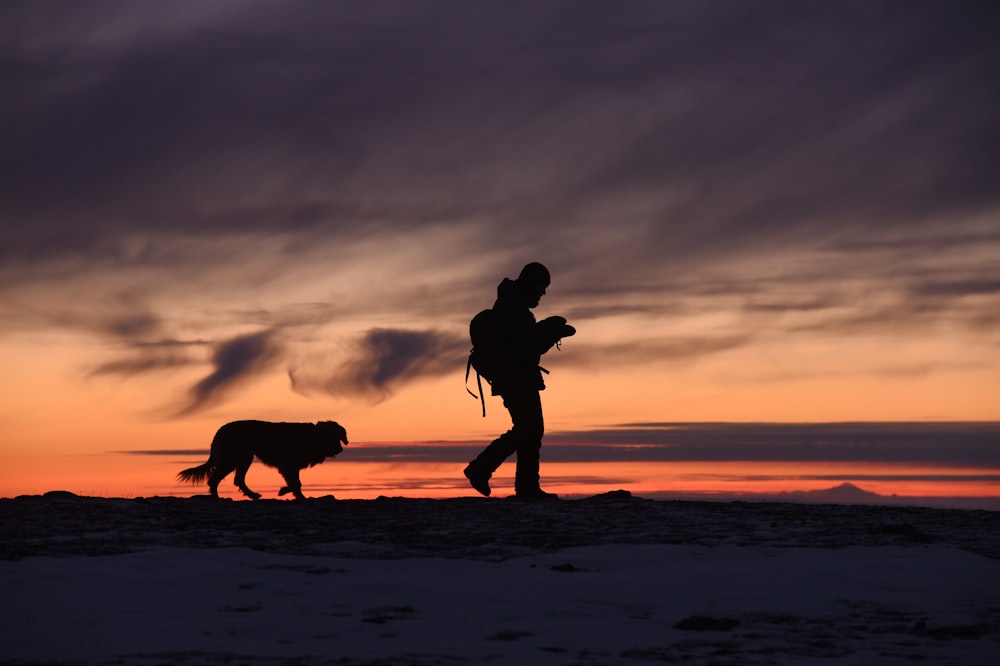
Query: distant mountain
(848, 493)
(844, 493)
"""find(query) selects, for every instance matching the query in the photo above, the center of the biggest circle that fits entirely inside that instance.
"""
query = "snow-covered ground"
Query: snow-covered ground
(606, 581)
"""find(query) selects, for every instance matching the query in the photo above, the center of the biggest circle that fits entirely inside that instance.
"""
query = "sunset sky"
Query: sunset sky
(761, 211)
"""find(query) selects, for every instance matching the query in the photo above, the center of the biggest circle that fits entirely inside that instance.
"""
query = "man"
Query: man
(520, 342)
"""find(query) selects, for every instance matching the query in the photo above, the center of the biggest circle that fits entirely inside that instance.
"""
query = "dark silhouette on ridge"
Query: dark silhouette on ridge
(289, 447)
(507, 347)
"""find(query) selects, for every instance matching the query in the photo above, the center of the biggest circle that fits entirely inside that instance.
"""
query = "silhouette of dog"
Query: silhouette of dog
(288, 447)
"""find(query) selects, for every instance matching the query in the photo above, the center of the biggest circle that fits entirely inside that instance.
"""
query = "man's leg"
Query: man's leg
(529, 425)
(524, 437)
(482, 467)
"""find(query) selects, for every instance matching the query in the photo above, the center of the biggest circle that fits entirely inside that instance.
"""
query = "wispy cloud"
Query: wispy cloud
(150, 357)
(654, 114)
(384, 359)
(955, 444)
(962, 446)
(807, 170)
(234, 362)
(675, 349)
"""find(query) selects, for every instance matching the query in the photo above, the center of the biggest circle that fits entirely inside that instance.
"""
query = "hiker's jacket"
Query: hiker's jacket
(521, 341)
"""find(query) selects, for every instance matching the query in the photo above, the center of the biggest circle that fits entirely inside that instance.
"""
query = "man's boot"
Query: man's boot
(535, 493)
(478, 479)
(526, 479)
(479, 471)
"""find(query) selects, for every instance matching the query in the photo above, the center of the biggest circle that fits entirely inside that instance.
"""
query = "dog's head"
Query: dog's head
(333, 435)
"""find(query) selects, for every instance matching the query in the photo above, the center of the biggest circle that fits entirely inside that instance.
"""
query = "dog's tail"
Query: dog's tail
(197, 474)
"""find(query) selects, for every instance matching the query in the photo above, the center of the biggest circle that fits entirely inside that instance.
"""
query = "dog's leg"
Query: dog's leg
(216, 477)
(294, 486)
(240, 480)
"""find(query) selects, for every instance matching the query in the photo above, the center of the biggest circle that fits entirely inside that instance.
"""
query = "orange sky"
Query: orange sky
(60, 425)
(59, 420)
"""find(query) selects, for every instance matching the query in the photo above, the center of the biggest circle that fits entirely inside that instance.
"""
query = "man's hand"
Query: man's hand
(555, 329)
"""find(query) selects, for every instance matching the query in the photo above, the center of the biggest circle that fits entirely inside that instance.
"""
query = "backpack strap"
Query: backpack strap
(479, 383)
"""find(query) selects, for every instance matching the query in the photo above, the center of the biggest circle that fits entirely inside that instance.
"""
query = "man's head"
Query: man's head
(534, 280)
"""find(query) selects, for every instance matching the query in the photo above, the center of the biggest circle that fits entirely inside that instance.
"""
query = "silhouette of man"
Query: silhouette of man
(520, 342)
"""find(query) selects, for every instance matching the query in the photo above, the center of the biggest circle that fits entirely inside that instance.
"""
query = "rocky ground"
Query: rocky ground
(62, 524)
(603, 581)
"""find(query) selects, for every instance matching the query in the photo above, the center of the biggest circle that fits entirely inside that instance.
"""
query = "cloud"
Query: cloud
(235, 361)
(800, 169)
(967, 448)
(946, 444)
(150, 357)
(644, 352)
(702, 136)
(384, 359)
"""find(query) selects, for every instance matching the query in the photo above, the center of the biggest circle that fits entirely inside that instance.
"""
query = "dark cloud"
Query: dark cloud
(164, 452)
(136, 337)
(647, 352)
(958, 288)
(159, 152)
(133, 325)
(385, 359)
(234, 362)
(731, 126)
(957, 445)
(946, 444)
(150, 357)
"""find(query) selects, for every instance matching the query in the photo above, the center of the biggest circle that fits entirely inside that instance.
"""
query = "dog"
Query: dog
(288, 447)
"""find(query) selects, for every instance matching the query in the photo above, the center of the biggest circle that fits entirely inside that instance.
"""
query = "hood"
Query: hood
(507, 289)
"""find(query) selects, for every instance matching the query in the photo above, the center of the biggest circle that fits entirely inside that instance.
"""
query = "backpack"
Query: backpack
(483, 358)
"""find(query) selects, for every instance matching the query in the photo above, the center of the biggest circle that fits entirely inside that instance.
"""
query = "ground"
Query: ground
(612, 579)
